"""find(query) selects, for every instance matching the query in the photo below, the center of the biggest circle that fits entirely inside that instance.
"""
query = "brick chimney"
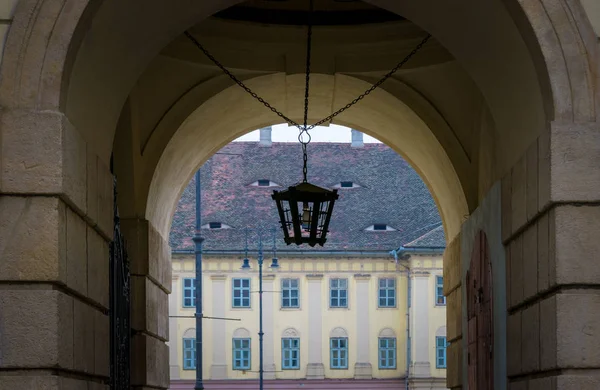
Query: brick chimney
(357, 139)
(265, 136)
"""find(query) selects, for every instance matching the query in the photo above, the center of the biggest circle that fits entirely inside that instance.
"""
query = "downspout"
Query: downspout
(408, 306)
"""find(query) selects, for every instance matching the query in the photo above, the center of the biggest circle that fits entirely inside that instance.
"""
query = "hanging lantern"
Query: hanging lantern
(305, 211)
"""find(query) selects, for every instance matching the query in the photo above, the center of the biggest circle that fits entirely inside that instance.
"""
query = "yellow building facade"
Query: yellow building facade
(373, 320)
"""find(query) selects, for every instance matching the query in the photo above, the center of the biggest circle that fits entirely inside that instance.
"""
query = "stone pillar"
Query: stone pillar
(362, 368)
(175, 355)
(55, 228)
(150, 258)
(421, 304)
(315, 368)
(550, 225)
(218, 369)
(268, 323)
(453, 292)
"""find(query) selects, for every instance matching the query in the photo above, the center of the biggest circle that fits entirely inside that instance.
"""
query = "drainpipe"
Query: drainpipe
(408, 297)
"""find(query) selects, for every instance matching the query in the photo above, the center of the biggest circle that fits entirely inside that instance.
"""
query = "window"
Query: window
(241, 354)
(338, 293)
(241, 292)
(387, 352)
(189, 292)
(440, 352)
(346, 185)
(380, 227)
(387, 292)
(339, 352)
(290, 353)
(290, 293)
(440, 299)
(215, 226)
(189, 354)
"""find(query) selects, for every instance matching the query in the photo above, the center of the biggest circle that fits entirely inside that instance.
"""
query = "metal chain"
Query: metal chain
(304, 128)
(326, 119)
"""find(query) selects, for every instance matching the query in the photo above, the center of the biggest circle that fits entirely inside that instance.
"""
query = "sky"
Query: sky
(285, 133)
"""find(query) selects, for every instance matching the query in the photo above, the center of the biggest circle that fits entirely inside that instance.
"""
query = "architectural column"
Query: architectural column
(362, 368)
(315, 368)
(421, 303)
(174, 353)
(268, 322)
(56, 209)
(218, 369)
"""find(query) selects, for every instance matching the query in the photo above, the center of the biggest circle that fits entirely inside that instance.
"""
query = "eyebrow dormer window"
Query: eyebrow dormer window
(216, 226)
(380, 227)
(264, 183)
(346, 185)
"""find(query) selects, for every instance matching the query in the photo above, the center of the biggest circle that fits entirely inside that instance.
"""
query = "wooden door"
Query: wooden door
(480, 331)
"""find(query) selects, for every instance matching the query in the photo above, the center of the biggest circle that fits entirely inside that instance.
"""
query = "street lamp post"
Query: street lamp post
(246, 267)
(198, 251)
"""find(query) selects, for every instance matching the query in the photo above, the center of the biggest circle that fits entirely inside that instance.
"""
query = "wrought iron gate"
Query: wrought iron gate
(480, 331)
(120, 318)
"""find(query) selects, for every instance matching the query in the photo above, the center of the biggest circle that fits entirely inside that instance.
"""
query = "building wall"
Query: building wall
(361, 317)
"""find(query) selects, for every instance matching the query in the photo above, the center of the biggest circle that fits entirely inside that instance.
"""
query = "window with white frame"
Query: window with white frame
(189, 354)
(290, 293)
(387, 352)
(338, 292)
(440, 352)
(440, 299)
(241, 292)
(290, 353)
(387, 292)
(339, 352)
(241, 354)
(189, 292)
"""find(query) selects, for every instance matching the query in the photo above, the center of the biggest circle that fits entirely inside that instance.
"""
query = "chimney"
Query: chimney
(265, 136)
(357, 139)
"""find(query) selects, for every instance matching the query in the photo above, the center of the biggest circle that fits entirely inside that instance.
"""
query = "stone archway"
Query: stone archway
(69, 74)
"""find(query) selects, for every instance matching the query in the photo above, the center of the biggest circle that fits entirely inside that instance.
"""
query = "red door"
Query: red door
(480, 332)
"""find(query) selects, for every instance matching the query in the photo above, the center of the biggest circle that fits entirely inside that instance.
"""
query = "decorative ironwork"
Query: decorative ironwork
(120, 307)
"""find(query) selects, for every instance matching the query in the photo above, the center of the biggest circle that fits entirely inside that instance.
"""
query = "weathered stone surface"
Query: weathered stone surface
(35, 244)
(575, 157)
(513, 344)
(506, 206)
(547, 383)
(76, 253)
(454, 314)
(578, 329)
(150, 307)
(516, 271)
(97, 267)
(577, 244)
(151, 366)
(105, 199)
(581, 381)
(530, 262)
(518, 385)
(44, 381)
(101, 344)
(544, 176)
(42, 154)
(83, 336)
(548, 333)
(454, 368)
(159, 258)
(543, 236)
(532, 181)
(530, 339)
(519, 194)
(37, 328)
(452, 265)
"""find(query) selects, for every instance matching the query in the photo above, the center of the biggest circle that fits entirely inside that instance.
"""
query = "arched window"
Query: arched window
(290, 349)
(440, 347)
(387, 349)
(189, 349)
(241, 349)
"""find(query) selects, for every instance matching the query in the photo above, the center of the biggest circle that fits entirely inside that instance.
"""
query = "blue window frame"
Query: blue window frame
(338, 293)
(290, 354)
(241, 292)
(440, 352)
(387, 353)
(339, 352)
(189, 354)
(387, 292)
(241, 354)
(290, 293)
(440, 299)
(189, 292)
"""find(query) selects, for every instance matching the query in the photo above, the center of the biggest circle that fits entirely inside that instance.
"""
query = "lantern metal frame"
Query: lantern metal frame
(309, 224)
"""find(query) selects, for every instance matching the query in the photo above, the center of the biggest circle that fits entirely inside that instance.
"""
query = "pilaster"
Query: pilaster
(218, 369)
(268, 324)
(362, 368)
(315, 368)
(420, 324)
